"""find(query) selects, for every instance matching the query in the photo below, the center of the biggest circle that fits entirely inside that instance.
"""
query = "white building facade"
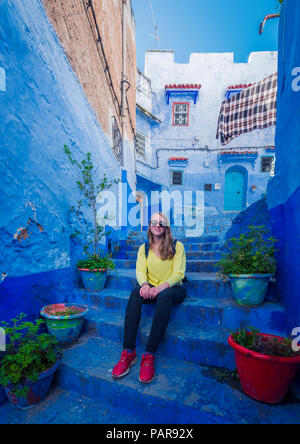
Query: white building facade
(178, 107)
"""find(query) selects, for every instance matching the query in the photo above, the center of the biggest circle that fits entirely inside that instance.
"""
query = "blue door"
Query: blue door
(235, 189)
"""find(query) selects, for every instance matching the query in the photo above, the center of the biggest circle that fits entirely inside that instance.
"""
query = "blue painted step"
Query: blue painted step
(199, 284)
(203, 237)
(199, 266)
(190, 255)
(186, 342)
(182, 393)
(123, 246)
(202, 344)
(185, 240)
(201, 312)
(67, 407)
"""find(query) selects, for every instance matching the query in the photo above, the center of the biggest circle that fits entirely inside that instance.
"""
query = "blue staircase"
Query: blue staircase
(193, 352)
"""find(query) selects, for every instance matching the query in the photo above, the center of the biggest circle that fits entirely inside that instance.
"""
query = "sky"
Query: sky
(188, 26)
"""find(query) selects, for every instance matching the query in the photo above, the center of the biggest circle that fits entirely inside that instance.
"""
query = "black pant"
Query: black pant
(164, 303)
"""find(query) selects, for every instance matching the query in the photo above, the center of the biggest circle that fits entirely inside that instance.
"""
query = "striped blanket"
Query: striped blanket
(251, 109)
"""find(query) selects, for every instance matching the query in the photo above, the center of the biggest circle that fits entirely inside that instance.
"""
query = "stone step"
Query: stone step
(206, 346)
(182, 392)
(199, 284)
(180, 235)
(200, 343)
(190, 255)
(120, 248)
(67, 407)
(184, 240)
(206, 266)
(201, 312)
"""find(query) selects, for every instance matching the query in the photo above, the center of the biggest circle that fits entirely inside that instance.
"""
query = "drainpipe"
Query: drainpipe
(125, 85)
(124, 69)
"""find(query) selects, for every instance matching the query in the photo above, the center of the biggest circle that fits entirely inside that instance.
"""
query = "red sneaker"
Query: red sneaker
(147, 371)
(127, 360)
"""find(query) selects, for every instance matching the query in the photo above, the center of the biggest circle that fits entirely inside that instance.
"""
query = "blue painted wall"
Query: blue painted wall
(43, 108)
(284, 189)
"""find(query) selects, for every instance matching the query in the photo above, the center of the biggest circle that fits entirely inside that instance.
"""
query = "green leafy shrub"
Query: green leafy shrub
(91, 188)
(29, 353)
(94, 263)
(250, 253)
(268, 345)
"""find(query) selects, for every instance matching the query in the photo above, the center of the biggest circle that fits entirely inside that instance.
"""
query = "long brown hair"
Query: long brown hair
(166, 250)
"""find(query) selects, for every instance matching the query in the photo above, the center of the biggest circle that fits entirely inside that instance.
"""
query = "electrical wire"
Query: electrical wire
(98, 40)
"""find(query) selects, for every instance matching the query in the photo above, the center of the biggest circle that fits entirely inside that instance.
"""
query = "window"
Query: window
(140, 144)
(143, 84)
(266, 164)
(177, 177)
(181, 114)
(117, 143)
(208, 187)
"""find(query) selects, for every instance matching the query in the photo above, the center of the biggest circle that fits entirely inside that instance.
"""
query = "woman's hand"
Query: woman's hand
(144, 291)
(154, 291)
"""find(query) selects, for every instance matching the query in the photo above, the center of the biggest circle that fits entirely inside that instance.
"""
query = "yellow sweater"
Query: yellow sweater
(155, 271)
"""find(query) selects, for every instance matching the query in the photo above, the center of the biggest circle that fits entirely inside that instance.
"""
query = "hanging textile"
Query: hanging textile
(251, 109)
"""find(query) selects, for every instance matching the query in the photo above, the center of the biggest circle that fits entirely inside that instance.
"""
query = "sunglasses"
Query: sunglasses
(155, 223)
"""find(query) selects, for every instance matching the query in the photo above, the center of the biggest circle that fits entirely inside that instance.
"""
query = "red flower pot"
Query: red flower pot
(264, 378)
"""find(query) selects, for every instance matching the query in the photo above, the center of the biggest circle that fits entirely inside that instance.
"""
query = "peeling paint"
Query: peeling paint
(40, 227)
(22, 233)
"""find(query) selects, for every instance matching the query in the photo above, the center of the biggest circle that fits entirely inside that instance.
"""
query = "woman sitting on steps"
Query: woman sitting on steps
(160, 270)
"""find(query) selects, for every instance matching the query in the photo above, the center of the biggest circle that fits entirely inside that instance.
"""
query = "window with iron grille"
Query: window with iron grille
(266, 164)
(181, 114)
(177, 177)
(140, 144)
(117, 142)
(144, 84)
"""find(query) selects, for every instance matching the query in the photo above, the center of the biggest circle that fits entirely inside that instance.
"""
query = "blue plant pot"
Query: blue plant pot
(93, 280)
(3, 397)
(249, 289)
(66, 329)
(37, 392)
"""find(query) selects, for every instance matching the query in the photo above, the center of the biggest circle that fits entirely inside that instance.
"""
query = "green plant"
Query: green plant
(94, 263)
(91, 189)
(250, 253)
(268, 345)
(245, 338)
(223, 374)
(29, 353)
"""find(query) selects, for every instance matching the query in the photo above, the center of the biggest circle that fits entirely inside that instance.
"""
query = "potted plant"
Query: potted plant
(94, 267)
(249, 263)
(64, 321)
(29, 364)
(94, 270)
(266, 364)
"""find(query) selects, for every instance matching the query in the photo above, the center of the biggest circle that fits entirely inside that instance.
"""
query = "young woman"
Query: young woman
(159, 277)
